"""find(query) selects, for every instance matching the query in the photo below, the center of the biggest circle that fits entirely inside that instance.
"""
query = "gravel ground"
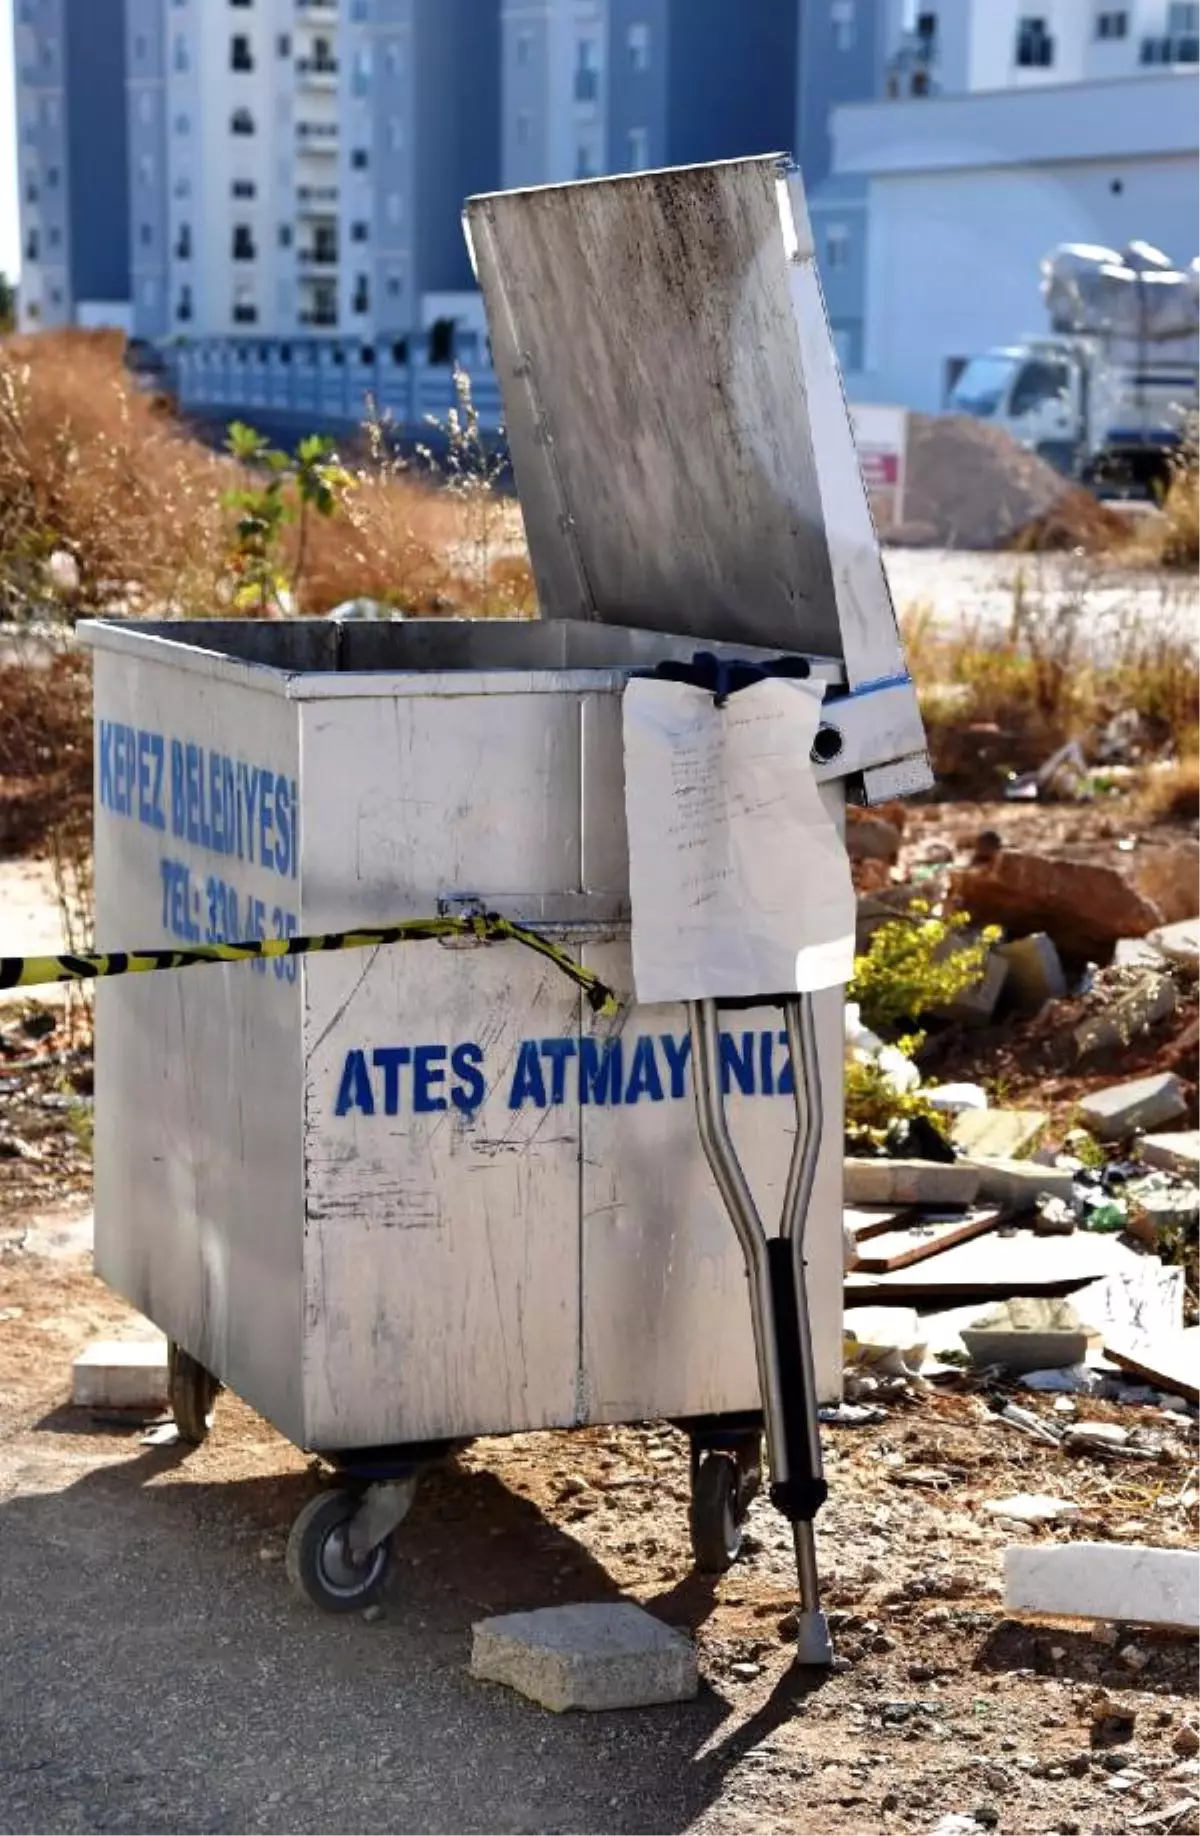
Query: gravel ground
(158, 1674)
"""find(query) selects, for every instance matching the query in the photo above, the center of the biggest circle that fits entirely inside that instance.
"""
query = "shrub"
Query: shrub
(915, 964)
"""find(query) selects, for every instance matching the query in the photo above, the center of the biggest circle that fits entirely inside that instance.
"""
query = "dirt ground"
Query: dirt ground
(158, 1673)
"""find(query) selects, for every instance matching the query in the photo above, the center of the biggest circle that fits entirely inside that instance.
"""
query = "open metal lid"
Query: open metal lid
(675, 415)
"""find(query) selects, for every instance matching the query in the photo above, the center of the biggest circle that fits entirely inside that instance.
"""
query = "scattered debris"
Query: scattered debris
(1178, 1153)
(605, 1656)
(1180, 943)
(1028, 1333)
(1030, 1424)
(909, 1182)
(1151, 998)
(881, 1249)
(1170, 1362)
(1113, 1114)
(1032, 1508)
(1054, 1217)
(1000, 1134)
(1116, 1581)
(1084, 907)
(1035, 971)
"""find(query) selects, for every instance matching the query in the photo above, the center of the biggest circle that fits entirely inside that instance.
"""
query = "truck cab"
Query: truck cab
(1037, 392)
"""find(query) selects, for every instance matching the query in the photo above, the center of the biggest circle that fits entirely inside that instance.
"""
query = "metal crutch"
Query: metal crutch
(778, 1289)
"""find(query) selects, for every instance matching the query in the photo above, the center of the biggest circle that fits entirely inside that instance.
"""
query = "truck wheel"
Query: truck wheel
(320, 1565)
(716, 1515)
(192, 1391)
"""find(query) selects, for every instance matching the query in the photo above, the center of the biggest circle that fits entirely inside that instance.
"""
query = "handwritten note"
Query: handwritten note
(739, 880)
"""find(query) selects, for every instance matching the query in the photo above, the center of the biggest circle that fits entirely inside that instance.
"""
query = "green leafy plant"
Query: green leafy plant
(282, 490)
(917, 963)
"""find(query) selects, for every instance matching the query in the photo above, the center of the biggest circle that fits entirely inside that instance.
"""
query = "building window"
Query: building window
(639, 149)
(358, 159)
(587, 70)
(362, 295)
(243, 242)
(183, 187)
(240, 2)
(183, 124)
(146, 235)
(837, 246)
(522, 49)
(524, 127)
(139, 46)
(241, 121)
(927, 31)
(584, 164)
(359, 232)
(145, 106)
(1112, 22)
(31, 246)
(638, 40)
(391, 57)
(841, 14)
(52, 177)
(1035, 47)
(54, 238)
(245, 312)
(240, 57)
(283, 44)
(243, 188)
(149, 292)
(360, 81)
(285, 235)
(31, 193)
(183, 248)
(183, 308)
(180, 56)
(394, 207)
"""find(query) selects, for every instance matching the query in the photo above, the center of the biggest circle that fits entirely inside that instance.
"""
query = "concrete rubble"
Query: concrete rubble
(120, 1374)
(1121, 1581)
(611, 1655)
(1146, 1103)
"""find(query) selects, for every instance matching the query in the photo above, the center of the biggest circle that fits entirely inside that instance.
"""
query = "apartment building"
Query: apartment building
(71, 162)
(601, 86)
(298, 165)
(1006, 127)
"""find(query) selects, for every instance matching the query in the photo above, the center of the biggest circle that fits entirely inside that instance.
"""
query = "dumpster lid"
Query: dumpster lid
(674, 410)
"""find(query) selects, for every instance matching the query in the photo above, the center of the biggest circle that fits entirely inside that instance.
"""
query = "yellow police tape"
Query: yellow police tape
(484, 927)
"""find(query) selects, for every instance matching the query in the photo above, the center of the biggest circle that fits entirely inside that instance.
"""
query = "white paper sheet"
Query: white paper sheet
(739, 881)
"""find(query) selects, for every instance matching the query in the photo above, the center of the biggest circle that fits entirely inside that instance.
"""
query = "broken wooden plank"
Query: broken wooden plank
(900, 1249)
(1171, 1362)
(865, 1222)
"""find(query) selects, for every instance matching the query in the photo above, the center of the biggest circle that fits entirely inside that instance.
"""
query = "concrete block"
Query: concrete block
(976, 1004)
(1116, 1581)
(1174, 1153)
(606, 1656)
(1152, 999)
(1035, 971)
(998, 1134)
(1145, 1102)
(909, 1182)
(1180, 944)
(121, 1374)
(1018, 1184)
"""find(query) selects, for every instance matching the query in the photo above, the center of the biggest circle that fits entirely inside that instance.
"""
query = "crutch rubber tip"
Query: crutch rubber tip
(814, 1646)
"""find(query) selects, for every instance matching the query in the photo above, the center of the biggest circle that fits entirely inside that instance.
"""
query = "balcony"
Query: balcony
(317, 9)
(314, 200)
(318, 137)
(318, 315)
(317, 257)
(317, 72)
(1179, 50)
(911, 67)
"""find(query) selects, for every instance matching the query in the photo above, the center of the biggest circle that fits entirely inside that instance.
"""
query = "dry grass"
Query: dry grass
(1004, 699)
(1172, 539)
(1173, 795)
(92, 466)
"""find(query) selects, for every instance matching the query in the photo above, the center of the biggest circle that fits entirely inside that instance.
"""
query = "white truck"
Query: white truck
(1109, 395)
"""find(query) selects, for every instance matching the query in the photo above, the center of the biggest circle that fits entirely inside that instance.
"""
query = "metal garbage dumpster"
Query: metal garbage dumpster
(399, 1197)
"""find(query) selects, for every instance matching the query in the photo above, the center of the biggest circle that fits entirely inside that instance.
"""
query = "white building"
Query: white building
(297, 166)
(1004, 132)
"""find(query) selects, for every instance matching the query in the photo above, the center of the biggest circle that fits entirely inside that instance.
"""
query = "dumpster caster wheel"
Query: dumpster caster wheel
(192, 1391)
(320, 1562)
(717, 1513)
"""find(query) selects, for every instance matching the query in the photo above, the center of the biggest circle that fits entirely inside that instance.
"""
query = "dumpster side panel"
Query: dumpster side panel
(198, 1074)
(666, 1317)
(442, 1172)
